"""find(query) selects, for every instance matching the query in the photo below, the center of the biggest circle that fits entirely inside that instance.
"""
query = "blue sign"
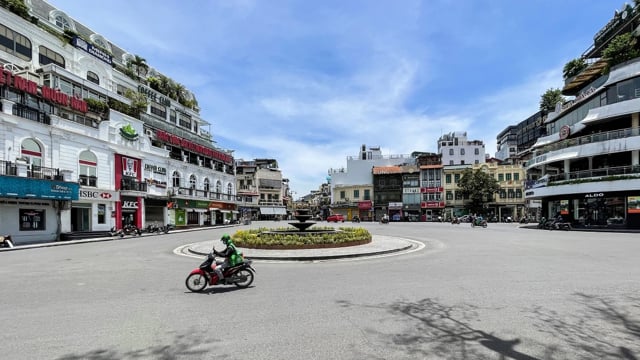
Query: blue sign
(19, 187)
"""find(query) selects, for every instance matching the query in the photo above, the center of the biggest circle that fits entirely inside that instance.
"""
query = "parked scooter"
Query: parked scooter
(355, 219)
(6, 242)
(455, 221)
(128, 229)
(156, 229)
(240, 275)
(478, 221)
(384, 219)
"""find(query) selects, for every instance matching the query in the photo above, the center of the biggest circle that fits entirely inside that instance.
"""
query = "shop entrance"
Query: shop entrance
(80, 219)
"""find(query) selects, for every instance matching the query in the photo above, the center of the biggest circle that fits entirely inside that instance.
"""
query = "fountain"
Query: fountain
(302, 215)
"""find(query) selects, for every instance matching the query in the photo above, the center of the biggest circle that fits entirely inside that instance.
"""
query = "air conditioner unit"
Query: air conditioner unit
(149, 132)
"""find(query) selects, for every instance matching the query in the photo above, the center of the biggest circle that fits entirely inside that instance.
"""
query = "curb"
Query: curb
(319, 257)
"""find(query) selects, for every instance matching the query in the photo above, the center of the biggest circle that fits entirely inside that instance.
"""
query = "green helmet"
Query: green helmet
(225, 239)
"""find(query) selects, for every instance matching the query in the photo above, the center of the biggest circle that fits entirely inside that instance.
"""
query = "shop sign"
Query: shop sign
(432, 204)
(31, 87)
(395, 205)
(565, 131)
(155, 169)
(594, 195)
(130, 204)
(93, 194)
(365, 205)
(93, 50)
(191, 146)
(130, 167)
(431, 190)
(411, 190)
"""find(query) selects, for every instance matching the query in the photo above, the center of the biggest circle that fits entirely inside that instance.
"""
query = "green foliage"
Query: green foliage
(620, 49)
(17, 7)
(96, 106)
(263, 237)
(549, 99)
(574, 67)
(479, 186)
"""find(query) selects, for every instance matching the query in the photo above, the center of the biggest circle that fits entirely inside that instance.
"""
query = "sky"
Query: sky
(308, 82)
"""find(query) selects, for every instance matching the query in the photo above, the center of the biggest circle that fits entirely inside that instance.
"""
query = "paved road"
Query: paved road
(496, 293)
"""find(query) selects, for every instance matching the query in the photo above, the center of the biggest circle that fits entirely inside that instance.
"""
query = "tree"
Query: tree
(140, 65)
(479, 187)
(620, 49)
(574, 67)
(549, 99)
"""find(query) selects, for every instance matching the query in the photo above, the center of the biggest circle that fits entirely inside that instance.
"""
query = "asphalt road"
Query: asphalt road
(472, 293)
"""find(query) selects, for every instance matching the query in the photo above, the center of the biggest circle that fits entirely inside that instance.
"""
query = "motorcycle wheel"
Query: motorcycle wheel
(196, 282)
(244, 273)
(484, 225)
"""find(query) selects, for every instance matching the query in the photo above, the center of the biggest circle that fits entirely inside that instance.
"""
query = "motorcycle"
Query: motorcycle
(455, 221)
(240, 275)
(384, 220)
(128, 229)
(479, 222)
(6, 242)
(155, 229)
(558, 225)
(355, 219)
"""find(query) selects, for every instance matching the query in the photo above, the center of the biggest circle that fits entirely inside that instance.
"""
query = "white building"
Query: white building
(457, 150)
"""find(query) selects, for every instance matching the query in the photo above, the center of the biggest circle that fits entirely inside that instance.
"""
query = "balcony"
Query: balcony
(85, 180)
(544, 155)
(130, 185)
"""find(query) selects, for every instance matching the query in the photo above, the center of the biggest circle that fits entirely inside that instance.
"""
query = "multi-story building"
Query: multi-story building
(431, 188)
(507, 142)
(353, 200)
(457, 150)
(261, 189)
(587, 168)
(454, 198)
(93, 138)
(358, 176)
(509, 202)
(387, 192)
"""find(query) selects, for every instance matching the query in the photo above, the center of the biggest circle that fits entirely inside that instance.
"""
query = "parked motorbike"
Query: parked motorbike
(455, 221)
(240, 275)
(479, 222)
(355, 219)
(558, 225)
(157, 229)
(543, 223)
(128, 229)
(524, 220)
(5, 241)
(384, 220)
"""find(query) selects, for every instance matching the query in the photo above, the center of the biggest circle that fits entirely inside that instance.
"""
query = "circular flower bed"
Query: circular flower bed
(289, 238)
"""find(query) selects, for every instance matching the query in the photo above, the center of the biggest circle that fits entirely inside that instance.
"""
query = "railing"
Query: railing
(8, 168)
(85, 180)
(592, 138)
(133, 186)
(270, 203)
(597, 173)
(45, 173)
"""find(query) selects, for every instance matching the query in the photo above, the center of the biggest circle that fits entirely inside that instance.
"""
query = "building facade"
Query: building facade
(106, 144)
(587, 167)
(457, 150)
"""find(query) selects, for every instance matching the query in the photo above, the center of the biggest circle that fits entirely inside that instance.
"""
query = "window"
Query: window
(476, 151)
(218, 187)
(450, 162)
(192, 181)
(449, 195)
(461, 162)
(61, 20)
(503, 194)
(158, 110)
(508, 176)
(447, 178)
(206, 184)
(367, 194)
(456, 178)
(477, 162)
(450, 151)
(458, 195)
(102, 210)
(15, 43)
(516, 176)
(511, 194)
(48, 56)
(175, 178)
(93, 77)
(342, 195)
(500, 177)
(461, 151)
(88, 169)
(518, 194)
(356, 194)
(32, 219)
(31, 152)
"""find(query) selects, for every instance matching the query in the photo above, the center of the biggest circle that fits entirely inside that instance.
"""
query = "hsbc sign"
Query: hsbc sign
(94, 194)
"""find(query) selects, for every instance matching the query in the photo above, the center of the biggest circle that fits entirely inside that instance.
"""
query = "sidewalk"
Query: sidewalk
(379, 245)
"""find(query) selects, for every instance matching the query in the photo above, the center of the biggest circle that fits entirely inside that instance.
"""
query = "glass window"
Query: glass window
(450, 151)
(356, 194)
(48, 56)
(450, 162)
(508, 176)
(456, 178)
(500, 177)
(93, 77)
(158, 110)
(342, 194)
(516, 176)
(449, 195)
(206, 184)
(461, 151)
(447, 178)
(88, 169)
(62, 22)
(102, 210)
(192, 181)
(518, 193)
(503, 194)
(31, 152)
(15, 43)
(175, 178)
(218, 187)
(476, 151)
(367, 194)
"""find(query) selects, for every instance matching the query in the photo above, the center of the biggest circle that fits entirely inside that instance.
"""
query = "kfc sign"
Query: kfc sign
(130, 167)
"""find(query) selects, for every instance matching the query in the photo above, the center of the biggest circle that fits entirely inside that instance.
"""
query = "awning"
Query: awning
(225, 211)
(267, 211)
(610, 111)
(279, 211)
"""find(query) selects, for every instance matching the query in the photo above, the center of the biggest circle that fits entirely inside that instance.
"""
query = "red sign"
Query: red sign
(432, 189)
(189, 145)
(432, 204)
(364, 205)
(31, 87)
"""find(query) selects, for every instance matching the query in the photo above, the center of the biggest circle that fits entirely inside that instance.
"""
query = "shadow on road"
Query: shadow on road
(598, 329)
(190, 345)
(604, 329)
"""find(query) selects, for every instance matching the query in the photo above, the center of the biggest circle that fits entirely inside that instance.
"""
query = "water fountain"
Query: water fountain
(302, 215)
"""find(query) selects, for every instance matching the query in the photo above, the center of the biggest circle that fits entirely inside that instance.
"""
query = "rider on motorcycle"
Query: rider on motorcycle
(231, 255)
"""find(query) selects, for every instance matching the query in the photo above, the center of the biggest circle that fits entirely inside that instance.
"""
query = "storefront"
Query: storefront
(600, 209)
(127, 178)
(364, 210)
(93, 210)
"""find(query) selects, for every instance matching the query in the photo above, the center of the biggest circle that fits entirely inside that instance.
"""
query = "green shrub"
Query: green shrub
(263, 237)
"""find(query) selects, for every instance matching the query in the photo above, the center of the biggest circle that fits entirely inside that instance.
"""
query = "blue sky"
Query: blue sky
(308, 82)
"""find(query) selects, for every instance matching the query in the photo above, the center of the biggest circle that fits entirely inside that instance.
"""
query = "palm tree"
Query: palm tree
(549, 99)
(140, 65)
